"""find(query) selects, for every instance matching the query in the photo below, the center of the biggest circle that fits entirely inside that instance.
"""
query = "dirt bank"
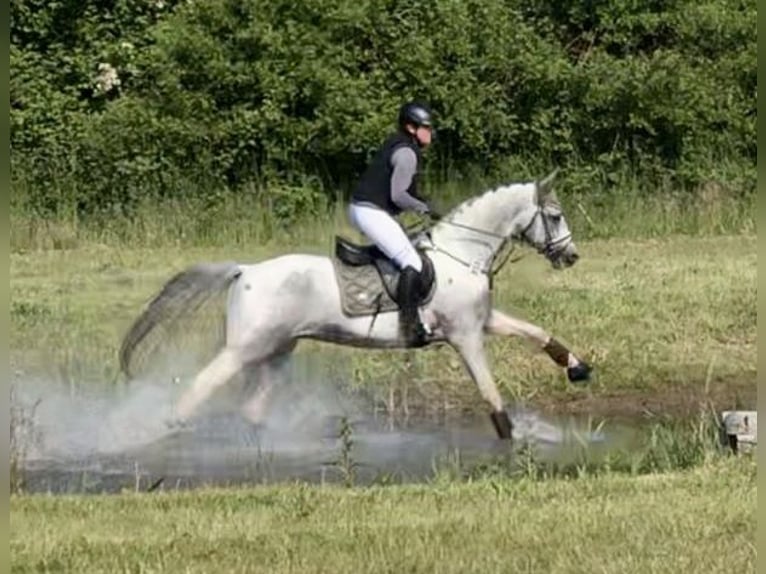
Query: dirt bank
(673, 400)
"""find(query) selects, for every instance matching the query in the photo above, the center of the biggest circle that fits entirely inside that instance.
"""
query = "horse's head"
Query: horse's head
(547, 229)
(530, 212)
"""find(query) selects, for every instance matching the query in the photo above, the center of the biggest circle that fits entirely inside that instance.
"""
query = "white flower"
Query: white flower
(107, 78)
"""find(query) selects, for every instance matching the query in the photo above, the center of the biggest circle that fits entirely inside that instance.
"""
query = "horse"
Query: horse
(349, 298)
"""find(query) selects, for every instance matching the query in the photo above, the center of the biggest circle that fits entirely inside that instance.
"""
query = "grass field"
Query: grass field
(668, 320)
(701, 520)
(662, 320)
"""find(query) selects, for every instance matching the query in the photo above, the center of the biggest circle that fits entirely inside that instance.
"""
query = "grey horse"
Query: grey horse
(274, 303)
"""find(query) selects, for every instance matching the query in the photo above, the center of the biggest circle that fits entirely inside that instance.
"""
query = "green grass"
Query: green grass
(662, 302)
(627, 209)
(700, 520)
(663, 320)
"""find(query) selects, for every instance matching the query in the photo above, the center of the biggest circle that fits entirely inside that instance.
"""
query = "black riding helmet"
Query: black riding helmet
(416, 114)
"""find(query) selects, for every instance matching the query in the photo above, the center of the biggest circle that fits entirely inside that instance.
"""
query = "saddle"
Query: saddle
(367, 278)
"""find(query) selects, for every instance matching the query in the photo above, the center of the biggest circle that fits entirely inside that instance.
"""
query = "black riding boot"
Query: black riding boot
(408, 295)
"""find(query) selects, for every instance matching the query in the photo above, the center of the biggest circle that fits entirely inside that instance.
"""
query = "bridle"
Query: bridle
(550, 248)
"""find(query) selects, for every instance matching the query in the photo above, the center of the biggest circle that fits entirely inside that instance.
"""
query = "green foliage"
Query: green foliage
(255, 95)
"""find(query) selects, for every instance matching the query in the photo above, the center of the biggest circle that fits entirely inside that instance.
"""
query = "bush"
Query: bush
(120, 102)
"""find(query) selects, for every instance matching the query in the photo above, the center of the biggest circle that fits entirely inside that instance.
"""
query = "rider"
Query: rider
(387, 188)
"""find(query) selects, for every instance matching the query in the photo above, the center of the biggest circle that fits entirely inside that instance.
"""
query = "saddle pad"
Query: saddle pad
(361, 290)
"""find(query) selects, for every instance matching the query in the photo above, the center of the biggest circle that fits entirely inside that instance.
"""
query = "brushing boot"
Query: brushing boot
(502, 424)
(408, 295)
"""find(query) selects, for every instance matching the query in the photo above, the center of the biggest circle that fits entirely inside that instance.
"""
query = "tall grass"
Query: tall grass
(24, 436)
(254, 217)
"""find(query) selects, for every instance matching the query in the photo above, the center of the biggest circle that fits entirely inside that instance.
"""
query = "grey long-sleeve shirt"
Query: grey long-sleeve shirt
(404, 163)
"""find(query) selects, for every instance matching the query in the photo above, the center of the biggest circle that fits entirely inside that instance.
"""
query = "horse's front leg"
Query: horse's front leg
(471, 350)
(500, 323)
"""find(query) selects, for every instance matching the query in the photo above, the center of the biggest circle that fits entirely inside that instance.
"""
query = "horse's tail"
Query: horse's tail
(181, 296)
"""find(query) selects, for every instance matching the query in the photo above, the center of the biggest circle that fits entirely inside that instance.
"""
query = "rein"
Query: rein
(490, 272)
(548, 249)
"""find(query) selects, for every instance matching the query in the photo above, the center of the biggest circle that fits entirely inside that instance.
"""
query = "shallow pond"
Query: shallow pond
(112, 442)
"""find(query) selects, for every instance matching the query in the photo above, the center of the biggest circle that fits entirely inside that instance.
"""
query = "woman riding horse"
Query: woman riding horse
(387, 188)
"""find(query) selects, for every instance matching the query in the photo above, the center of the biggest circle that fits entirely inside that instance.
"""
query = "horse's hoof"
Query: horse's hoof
(502, 424)
(580, 373)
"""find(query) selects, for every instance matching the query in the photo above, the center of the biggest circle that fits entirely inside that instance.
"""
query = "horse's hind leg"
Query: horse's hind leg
(258, 393)
(222, 368)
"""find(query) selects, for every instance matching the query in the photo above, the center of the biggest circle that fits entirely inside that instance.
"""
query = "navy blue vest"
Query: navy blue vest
(375, 185)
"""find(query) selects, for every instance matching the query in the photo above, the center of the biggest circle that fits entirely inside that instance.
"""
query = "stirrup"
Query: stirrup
(426, 328)
(415, 334)
(418, 338)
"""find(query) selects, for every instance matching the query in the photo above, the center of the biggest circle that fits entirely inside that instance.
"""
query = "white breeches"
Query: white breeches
(384, 231)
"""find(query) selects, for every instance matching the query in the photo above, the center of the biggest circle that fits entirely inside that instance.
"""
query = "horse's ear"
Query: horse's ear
(545, 186)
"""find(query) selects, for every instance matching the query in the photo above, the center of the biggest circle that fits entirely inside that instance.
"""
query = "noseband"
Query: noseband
(552, 247)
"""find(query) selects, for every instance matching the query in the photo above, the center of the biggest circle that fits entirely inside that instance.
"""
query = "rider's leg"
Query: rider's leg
(387, 234)
(408, 293)
(384, 231)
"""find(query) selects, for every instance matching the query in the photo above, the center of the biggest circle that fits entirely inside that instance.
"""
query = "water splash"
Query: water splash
(118, 434)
